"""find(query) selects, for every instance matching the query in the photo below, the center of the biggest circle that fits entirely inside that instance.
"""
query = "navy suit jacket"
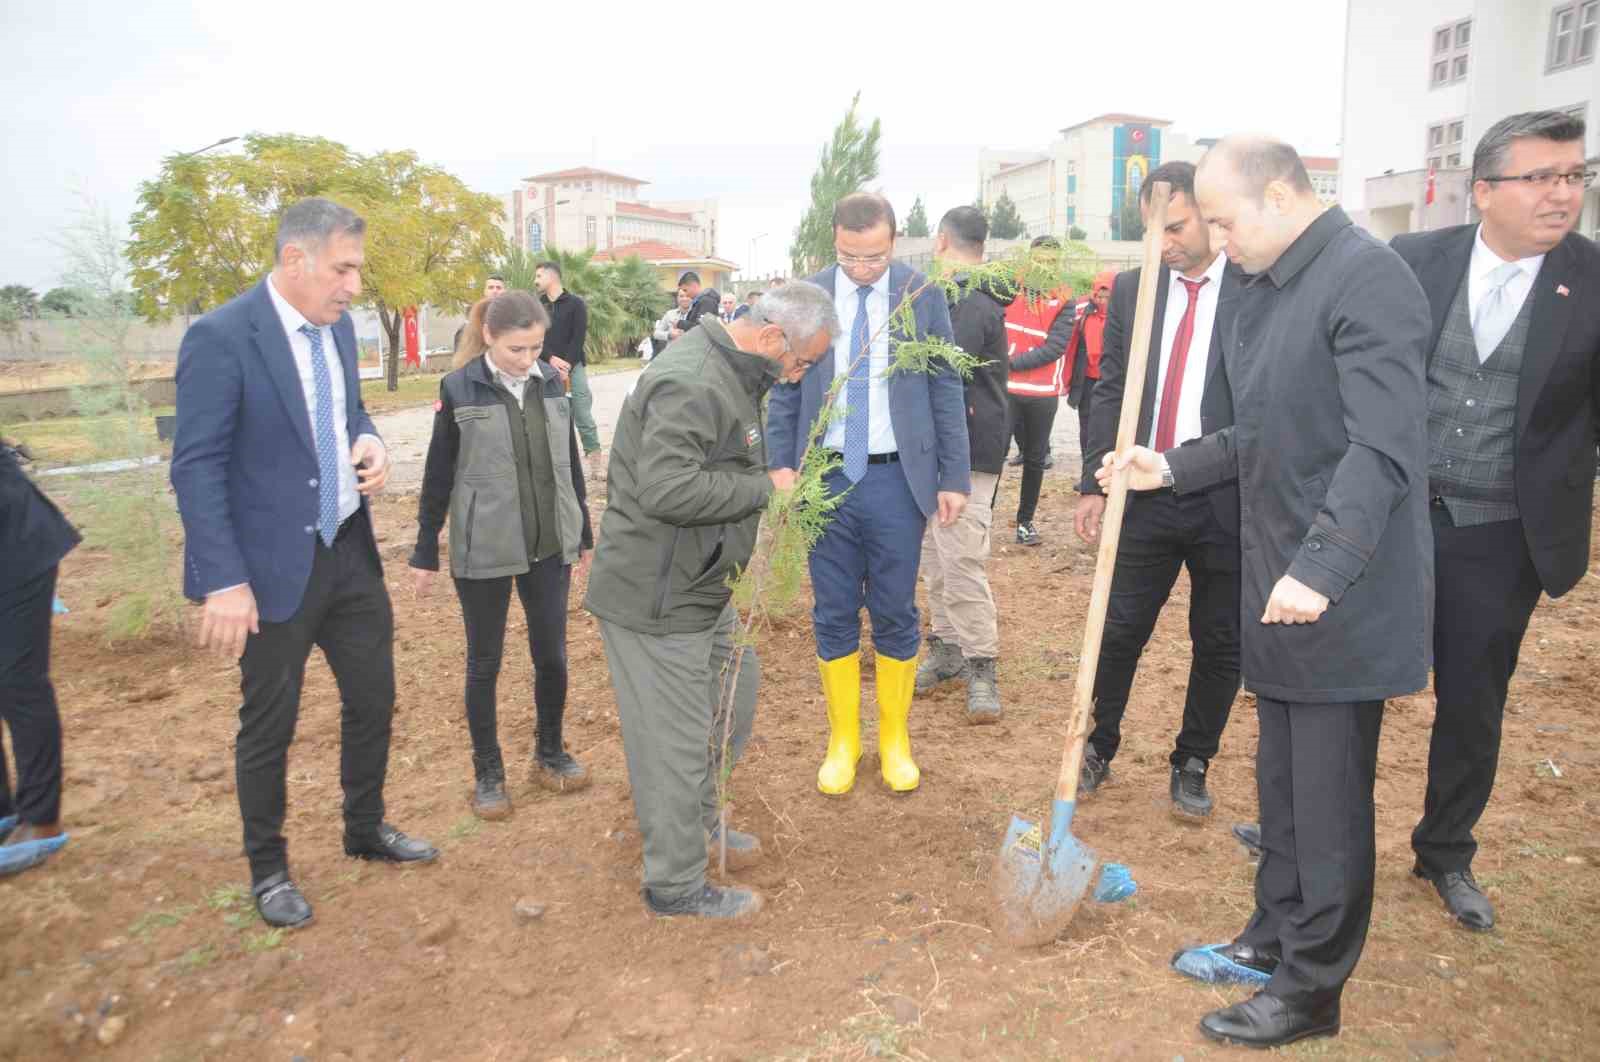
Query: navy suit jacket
(1558, 394)
(243, 463)
(928, 410)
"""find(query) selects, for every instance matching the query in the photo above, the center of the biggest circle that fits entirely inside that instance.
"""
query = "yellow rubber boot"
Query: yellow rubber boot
(897, 681)
(841, 685)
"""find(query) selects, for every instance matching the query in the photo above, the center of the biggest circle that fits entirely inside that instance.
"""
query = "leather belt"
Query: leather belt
(874, 459)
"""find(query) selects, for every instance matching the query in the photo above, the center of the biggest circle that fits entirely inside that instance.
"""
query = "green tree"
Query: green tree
(1004, 221)
(848, 161)
(204, 228)
(63, 302)
(22, 300)
(1130, 224)
(916, 223)
(1077, 233)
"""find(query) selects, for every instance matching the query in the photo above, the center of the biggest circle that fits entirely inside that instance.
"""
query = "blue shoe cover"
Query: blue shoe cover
(1213, 968)
(7, 824)
(1116, 884)
(15, 858)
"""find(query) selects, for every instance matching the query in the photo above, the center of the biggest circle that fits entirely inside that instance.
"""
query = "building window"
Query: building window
(1572, 34)
(1072, 215)
(535, 235)
(1448, 61)
(1072, 183)
(589, 231)
(1444, 142)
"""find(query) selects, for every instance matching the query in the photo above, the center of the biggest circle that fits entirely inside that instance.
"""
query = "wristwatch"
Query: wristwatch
(1166, 474)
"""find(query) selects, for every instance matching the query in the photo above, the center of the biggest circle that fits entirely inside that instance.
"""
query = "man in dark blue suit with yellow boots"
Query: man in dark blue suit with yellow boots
(902, 443)
(274, 462)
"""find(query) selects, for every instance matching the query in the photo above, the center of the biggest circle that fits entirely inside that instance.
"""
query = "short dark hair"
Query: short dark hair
(551, 267)
(495, 276)
(688, 276)
(966, 227)
(1046, 241)
(1179, 175)
(860, 211)
(750, 296)
(1490, 154)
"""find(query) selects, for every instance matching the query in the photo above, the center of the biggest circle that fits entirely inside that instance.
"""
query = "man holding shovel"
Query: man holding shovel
(1325, 362)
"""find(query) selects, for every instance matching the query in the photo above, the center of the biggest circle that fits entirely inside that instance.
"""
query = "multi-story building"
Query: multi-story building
(586, 207)
(1089, 178)
(1424, 79)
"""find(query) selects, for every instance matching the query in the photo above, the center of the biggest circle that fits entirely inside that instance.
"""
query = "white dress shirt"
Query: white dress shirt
(1199, 356)
(300, 347)
(880, 429)
(1484, 261)
(517, 385)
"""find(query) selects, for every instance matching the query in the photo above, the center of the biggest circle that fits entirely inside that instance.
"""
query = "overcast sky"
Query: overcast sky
(700, 99)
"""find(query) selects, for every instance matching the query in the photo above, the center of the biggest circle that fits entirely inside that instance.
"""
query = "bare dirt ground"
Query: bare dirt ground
(875, 940)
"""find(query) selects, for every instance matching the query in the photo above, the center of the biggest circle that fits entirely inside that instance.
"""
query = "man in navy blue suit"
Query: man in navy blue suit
(902, 444)
(274, 462)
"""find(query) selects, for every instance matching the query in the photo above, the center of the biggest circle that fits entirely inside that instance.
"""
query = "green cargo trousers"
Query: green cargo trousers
(669, 698)
(583, 409)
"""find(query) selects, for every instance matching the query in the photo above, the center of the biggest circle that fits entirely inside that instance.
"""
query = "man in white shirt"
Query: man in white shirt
(273, 463)
(1185, 395)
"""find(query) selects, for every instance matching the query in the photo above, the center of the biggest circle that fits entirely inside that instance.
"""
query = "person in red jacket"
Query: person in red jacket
(1088, 339)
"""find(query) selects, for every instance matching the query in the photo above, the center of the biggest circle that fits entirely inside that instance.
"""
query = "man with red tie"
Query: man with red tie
(1183, 396)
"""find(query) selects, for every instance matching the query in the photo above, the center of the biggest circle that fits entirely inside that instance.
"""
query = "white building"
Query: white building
(1423, 80)
(587, 207)
(1093, 170)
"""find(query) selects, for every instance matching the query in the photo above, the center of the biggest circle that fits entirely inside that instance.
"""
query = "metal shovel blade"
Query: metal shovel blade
(1038, 885)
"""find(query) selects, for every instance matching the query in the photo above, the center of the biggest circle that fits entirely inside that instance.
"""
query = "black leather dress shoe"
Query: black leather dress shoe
(281, 904)
(1462, 897)
(1255, 958)
(1264, 1020)
(389, 845)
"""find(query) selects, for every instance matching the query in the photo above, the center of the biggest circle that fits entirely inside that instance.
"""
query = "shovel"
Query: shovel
(1043, 874)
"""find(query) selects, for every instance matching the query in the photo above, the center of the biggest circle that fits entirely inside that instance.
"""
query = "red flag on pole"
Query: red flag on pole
(413, 353)
(1428, 195)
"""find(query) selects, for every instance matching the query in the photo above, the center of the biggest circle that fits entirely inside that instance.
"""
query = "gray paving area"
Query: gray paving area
(407, 431)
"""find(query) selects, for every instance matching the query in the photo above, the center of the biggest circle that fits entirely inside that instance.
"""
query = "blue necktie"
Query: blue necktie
(327, 444)
(857, 402)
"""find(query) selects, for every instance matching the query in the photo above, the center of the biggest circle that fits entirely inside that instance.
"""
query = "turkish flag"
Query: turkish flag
(413, 353)
(1427, 197)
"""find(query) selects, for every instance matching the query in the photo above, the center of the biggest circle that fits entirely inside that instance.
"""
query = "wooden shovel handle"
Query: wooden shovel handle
(1111, 524)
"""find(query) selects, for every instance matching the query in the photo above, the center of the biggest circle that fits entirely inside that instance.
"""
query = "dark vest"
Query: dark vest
(1472, 417)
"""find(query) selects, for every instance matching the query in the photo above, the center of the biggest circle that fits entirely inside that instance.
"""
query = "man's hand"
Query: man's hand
(676, 332)
(1294, 602)
(950, 506)
(561, 365)
(782, 478)
(421, 581)
(229, 618)
(370, 452)
(1086, 521)
(1144, 467)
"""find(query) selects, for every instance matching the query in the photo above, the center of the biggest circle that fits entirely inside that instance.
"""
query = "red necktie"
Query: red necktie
(1167, 421)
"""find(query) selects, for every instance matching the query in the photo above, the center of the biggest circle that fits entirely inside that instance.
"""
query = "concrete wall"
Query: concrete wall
(58, 339)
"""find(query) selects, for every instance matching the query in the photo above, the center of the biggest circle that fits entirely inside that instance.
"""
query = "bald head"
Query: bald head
(1256, 162)
(1254, 191)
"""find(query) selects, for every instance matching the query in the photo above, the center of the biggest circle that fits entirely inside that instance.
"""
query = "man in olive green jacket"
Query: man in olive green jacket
(687, 485)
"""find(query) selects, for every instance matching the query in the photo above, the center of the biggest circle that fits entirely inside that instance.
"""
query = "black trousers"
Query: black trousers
(1315, 766)
(1161, 534)
(485, 603)
(1085, 402)
(28, 702)
(1032, 419)
(346, 612)
(1485, 592)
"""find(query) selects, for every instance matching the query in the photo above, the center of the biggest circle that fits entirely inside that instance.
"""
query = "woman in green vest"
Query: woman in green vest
(504, 464)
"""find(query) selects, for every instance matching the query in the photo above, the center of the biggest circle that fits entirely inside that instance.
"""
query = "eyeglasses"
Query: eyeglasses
(1547, 179)
(848, 260)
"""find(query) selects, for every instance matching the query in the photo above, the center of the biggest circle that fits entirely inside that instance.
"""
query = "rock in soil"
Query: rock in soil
(111, 1029)
(529, 910)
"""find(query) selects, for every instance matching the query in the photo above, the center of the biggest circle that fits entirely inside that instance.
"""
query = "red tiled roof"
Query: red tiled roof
(650, 251)
(645, 210)
(1127, 119)
(581, 172)
(1319, 163)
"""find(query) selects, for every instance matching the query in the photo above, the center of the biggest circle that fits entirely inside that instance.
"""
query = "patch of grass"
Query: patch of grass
(256, 943)
(153, 920)
(227, 897)
(57, 441)
(415, 389)
(465, 827)
(199, 957)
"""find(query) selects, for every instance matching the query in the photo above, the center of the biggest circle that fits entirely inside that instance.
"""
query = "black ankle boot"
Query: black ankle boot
(489, 797)
(553, 767)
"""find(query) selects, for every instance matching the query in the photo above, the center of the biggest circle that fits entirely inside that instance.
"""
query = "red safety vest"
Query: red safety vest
(1027, 324)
